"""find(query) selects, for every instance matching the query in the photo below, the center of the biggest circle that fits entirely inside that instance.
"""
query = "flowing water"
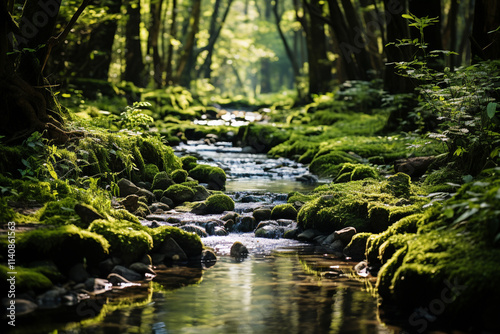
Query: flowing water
(283, 286)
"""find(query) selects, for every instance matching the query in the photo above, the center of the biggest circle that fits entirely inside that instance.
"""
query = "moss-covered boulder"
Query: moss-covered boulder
(26, 280)
(189, 162)
(218, 203)
(189, 242)
(65, 245)
(357, 246)
(330, 164)
(284, 211)
(179, 193)
(127, 240)
(150, 170)
(354, 172)
(215, 177)
(162, 181)
(179, 175)
(399, 185)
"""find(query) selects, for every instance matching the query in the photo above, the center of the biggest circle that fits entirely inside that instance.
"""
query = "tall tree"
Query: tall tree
(182, 75)
(94, 57)
(156, 8)
(320, 67)
(169, 80)
(27, 103)
(486, 32)
(134, 63)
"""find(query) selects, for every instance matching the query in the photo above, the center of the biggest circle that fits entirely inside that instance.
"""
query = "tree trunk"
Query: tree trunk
(170, 53)
(98, 50)
(189, 45)
(134, 64)
(154, 33)
(205, 69)
(26, 102)
(397, 29)
(485, 42)
(320, 68)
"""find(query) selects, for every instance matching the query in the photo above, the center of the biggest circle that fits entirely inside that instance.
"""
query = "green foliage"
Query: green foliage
(60, 212)
(133, 118)
(330, 164)
(218, 203)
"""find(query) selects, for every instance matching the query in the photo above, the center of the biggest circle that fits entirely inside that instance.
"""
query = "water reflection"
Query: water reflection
(265, 294)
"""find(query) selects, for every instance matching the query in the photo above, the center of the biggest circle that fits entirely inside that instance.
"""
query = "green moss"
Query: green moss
(329, 164)
(357, 245)
(189, 242)
(439, 180)
(262, 137)
(65, 244)
(284, 211)
(7, 214)
(26, 279)
(150, 170)
(215, 177)
(179, 193)
(399, 185)
(179, 175)
(362, 172)
(218, 203)
(189, 162)
(128, 241)
(162, 181)
(122, 214)
(139, 161)
(60, 212)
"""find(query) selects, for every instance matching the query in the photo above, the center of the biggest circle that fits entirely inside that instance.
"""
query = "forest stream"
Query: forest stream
(283, 286)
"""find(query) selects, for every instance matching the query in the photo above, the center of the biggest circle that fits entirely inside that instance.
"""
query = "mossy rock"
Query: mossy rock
(150, 170)
(399, 185)
(179, 175)
(218, 203)
(357, 246)
(215, 177)
(189, 162)
(26, 280)
(330, 164)
(123, 214)
(179, 193)
(284, 211)
(379, 218)
(128, 241)
(65, 245)
(162, 181)
(189, 242)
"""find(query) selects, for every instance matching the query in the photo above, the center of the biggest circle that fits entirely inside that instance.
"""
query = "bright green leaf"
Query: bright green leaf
(491, 109)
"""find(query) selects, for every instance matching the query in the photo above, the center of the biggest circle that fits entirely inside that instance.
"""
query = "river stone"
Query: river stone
(201, 193)
(142, 268)
(97, 285)
(247, 224)
(199, 208)
(146, 193)
(266, 223)
(416, 166)
(230, 216)
(117, 279)
(195, 229)
(307, 178)
(159, 207)
(229, 225)
(51, 298)
(107, 265)
(130, 203)
(345, 235)
(220, 231)
(208, 255)
(87, 214)
(286, 222)
(210, 228)
(126, 187)
(337, 246)
(270, 232)
(238, 250)
(167, 201)
(308, 235)
(261, 214)
(77, 273)
(126, 273)
(172, 250)
(356, 249)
